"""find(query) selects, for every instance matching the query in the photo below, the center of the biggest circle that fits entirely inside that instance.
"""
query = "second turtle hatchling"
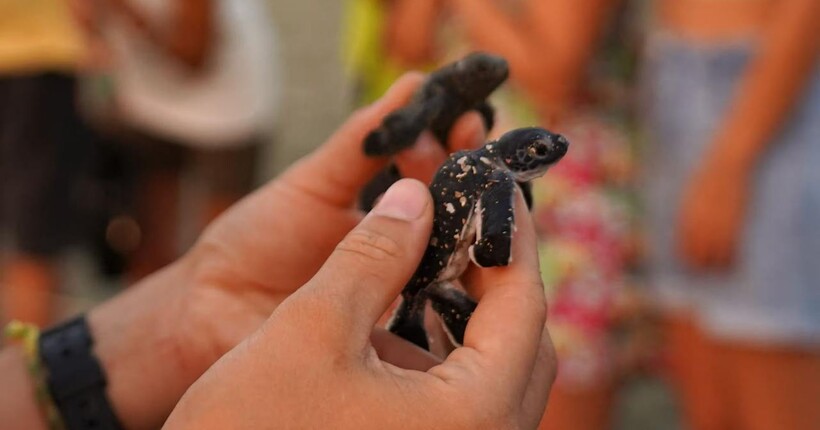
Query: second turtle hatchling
(446, 94)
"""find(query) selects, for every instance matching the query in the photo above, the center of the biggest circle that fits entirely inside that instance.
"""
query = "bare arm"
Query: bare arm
(18, 408)
(548, 50)
(715, 202)
(155, 339)
(566, 32)
(411, 29)
(773, 82)
(189, 34)
(491, 30)
(134, 341)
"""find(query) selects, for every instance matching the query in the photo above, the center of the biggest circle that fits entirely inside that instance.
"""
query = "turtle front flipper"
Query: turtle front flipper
(487, 112)
(408, 320)
(526, 191)
(494, 240)
(454, 307)
(378, 186)
(400, 129)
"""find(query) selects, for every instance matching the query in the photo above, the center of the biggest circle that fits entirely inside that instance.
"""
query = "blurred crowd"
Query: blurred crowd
(678, 238)
(112, 114)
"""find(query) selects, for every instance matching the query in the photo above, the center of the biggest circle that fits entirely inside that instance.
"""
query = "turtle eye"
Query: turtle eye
(539, 149)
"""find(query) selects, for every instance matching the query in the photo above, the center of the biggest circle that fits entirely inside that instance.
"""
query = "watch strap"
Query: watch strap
(75, 378)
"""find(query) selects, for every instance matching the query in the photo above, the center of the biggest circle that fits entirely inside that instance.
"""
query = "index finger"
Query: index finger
(426, 156)
(338, 170)
(507, 326)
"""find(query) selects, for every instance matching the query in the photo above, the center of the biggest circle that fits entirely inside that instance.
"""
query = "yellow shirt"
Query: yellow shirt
(38, 35)
(363, 51)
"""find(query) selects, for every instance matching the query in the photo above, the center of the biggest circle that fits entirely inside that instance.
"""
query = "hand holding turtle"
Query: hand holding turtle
(272, 242)
(313, 362)
(161, 335)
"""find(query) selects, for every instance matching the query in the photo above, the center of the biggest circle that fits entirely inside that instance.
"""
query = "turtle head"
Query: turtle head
(528, 152)
(479, 74)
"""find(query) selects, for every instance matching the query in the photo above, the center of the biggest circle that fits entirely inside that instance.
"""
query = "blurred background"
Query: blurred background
(678, 239)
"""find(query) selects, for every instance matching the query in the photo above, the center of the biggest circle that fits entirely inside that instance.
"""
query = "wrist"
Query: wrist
(138, 341)
(162, 334)
(18, 404)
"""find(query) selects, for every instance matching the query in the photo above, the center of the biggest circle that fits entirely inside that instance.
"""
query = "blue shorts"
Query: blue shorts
(772, 294)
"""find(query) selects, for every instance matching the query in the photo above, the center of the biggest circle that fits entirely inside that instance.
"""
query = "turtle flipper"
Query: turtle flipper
(408, 321)
(526, 190)
(377, 186)
(400, 129)
(454, 307)
(487, 112)
(494, 241)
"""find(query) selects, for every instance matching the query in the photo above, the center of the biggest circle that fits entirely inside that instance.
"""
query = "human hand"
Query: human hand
(712, 213)
(313, 362)
(274, 241)
(160, 336)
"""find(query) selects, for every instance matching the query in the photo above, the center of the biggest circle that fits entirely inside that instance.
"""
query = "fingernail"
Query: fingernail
(405, 200)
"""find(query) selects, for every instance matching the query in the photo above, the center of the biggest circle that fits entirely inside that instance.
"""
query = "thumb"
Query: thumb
(370, 266)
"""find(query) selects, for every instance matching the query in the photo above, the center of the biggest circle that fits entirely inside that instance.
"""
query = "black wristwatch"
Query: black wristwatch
(75, 378)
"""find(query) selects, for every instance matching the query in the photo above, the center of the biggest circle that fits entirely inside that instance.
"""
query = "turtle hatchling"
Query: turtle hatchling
(473, 193)
(448, 93)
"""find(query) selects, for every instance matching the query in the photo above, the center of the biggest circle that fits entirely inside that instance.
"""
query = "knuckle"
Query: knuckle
(483, 408)
(501, 414)
(370, 246)
(493, 413)
(476, 407)
(533, 299)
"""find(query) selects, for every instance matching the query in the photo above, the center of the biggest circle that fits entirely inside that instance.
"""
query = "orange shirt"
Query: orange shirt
(38, 35)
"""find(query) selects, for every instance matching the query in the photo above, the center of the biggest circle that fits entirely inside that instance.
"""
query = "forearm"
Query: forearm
(491, 30)
(548, 49)
(85, 14)
(567, 33)
(137, 339)
(153, 342)
(411, 28)
(18, 405)
(143, 365)
(773, 82)
(188, 35)
(133, 17)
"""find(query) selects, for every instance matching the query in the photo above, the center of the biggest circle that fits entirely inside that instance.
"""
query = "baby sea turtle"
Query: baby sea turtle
(473, 194)
(447, 94)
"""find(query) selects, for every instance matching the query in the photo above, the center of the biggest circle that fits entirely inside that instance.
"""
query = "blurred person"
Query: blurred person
(384, 38)
(547, 43)
(733, 93)
(42, 151)
(582, 209)
(195, 91)
(223, 338)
